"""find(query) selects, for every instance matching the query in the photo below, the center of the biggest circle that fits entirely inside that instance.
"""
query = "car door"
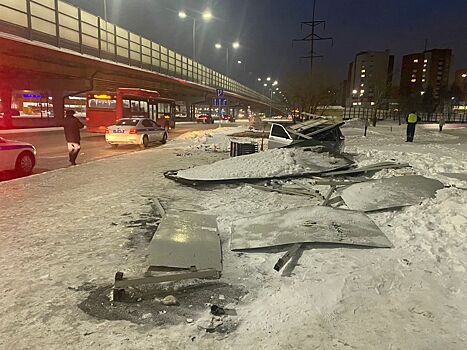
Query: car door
(278, 137)
(7, 155)
(148, 128)
(158, 131)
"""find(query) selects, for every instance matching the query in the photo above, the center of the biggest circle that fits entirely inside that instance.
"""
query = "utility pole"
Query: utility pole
(312, 37)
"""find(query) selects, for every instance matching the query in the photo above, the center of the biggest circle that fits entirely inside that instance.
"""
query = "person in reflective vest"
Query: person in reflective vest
(412, 120)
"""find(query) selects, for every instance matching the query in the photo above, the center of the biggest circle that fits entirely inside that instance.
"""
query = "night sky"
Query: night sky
(265, 29)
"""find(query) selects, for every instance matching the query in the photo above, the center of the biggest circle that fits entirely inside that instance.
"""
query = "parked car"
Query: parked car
(17, 156)
(228, 117)
(204, 118)
(136, 131)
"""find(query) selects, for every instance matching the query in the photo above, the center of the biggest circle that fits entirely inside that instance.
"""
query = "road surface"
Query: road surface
(52, 150)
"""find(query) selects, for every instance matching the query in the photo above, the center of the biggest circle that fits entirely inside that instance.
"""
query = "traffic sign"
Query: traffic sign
(219, 92)
(219, 102)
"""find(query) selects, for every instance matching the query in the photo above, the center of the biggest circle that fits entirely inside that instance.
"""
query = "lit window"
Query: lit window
(372, 103)
(423, 80)
(355, 103)
(362, 85)
(424, 69)
(363, 70)
(425, 60)
(414, 80)
(415, 61)
(464, 75)
(362, 92)
(363, 75)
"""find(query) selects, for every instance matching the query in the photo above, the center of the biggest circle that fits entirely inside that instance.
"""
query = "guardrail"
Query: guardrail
(63, 25)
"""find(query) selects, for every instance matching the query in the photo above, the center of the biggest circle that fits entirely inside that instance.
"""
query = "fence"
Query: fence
(62, 25)
(370, 113)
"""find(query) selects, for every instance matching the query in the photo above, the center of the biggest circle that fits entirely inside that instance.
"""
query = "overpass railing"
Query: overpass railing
(63, 25)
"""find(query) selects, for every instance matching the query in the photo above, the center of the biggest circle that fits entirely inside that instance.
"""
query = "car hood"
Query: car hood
(14, 143)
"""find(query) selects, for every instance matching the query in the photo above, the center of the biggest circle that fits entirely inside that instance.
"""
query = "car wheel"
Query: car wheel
(25, 164)
(145, 143)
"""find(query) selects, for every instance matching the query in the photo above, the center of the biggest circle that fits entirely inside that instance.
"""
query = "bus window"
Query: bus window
(152, 111)
(134, 106)
(126, 104)
(101, 104)
(163, 109)
(143, 106)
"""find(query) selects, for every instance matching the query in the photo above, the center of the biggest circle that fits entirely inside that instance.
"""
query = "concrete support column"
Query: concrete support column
(58, 106)
(189, 110)
(5, 95)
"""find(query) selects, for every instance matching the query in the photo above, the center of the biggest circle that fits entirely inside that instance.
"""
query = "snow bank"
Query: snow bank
(271, 163)
(216, 140)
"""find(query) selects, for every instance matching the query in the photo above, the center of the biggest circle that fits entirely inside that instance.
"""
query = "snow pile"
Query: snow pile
(271, 163)
(215, 140)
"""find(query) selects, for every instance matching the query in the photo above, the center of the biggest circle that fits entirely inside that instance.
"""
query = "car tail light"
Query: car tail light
(107, 131)
(133, 131)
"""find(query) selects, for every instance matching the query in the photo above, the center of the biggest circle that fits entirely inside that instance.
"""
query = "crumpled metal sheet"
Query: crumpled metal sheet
(186, 239)
(458, 176)
(311, 224)
(394, 192)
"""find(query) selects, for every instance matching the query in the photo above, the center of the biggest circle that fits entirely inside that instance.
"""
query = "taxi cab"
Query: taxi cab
(17, 156)
(136, 131)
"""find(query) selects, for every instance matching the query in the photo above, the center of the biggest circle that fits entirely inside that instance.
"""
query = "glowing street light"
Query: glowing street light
(235, 45)
(239, 62)
(259, 79)
(207, 15)
(275, 83)
(268, 78)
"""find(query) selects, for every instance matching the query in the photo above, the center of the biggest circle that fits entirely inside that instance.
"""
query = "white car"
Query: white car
(17, 156)
(136, 131)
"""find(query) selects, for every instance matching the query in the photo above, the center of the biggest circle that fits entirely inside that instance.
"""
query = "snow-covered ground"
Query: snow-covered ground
(65, 233)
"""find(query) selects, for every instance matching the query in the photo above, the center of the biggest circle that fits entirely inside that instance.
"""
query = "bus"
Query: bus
(105, 108)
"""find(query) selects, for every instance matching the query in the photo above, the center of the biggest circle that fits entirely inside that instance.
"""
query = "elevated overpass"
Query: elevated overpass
(51, 45)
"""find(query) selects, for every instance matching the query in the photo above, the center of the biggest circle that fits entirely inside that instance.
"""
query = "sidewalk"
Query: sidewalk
(26, 131)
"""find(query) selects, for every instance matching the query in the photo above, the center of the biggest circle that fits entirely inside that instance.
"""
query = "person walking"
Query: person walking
(72, 127)
(412, 120)
(441, 122)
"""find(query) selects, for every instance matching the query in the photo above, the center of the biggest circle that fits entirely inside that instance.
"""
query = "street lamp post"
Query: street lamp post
(207, 16)
(106, 31)
(235, 45)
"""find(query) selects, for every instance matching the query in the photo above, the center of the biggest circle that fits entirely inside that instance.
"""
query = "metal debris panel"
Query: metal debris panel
(311, 224)
(184, 240)
(394, 192)
(458, 176)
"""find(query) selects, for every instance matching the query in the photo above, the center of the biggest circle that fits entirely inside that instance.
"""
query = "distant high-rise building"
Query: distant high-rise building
(370, 77)
(425, 71)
